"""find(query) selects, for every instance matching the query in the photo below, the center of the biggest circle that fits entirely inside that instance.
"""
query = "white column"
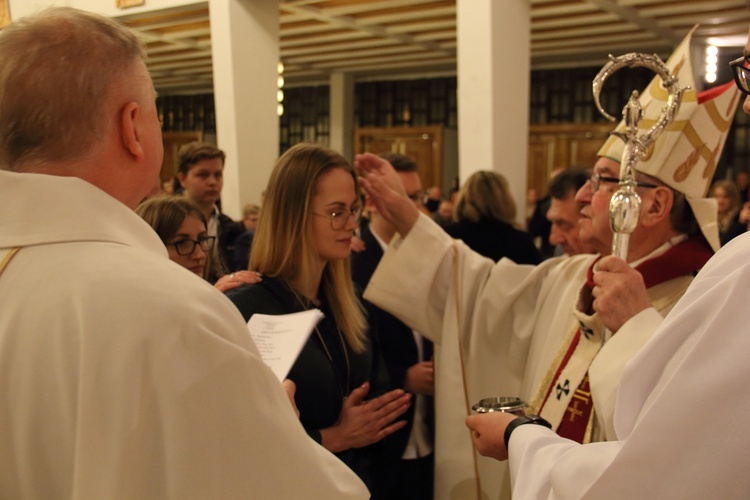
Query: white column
(341, 120)
(245, 49)
(493, 90)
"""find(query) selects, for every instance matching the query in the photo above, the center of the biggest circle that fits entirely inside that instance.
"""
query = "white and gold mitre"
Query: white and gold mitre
(685, 155)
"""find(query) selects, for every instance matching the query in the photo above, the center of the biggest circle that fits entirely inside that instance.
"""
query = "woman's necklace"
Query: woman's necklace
(330, 358)
(342, 387)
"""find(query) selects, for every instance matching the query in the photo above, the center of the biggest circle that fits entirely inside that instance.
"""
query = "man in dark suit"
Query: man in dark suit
(200, 171)
(403, 467)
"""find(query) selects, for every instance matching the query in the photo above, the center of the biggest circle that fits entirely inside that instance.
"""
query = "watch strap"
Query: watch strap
(523, 420)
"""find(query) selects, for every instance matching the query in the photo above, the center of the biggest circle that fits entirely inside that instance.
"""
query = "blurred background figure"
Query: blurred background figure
(539, 226)
(532, 197)
(432, 199)
(564, 212)
(167, 187)
(742, 181)
(484, 215)
(728, 200)
(200, 172)
(444, 214)
(182, 228)
(241, 252)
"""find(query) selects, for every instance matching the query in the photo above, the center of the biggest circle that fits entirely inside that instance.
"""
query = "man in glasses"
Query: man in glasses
(536, 332)
(122, 375)
(666, 443)
(404, 462)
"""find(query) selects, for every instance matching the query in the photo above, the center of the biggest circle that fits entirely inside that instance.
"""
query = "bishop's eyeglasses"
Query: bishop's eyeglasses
(596, 180)
(187, 247)
(741, 73)
(340, 218)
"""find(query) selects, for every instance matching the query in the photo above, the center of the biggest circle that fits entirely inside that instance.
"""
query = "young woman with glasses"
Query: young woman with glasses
(182, 227)
(301, 246)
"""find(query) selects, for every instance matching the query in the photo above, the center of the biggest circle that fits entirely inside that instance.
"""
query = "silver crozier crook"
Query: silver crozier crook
(625, 205)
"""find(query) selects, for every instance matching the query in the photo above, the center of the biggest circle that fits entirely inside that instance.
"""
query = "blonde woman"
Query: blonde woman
(484, 214)
(728, 200)
(301, 246)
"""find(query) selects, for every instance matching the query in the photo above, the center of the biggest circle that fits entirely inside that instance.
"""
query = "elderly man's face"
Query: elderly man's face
(564, 215)
(594, 222)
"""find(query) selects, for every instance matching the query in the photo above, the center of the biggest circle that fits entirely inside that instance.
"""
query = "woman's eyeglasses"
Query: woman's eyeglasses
(187, 247)
(341, 218)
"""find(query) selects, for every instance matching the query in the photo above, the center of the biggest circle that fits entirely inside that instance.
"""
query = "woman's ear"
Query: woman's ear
(129, 130)
(657, 207)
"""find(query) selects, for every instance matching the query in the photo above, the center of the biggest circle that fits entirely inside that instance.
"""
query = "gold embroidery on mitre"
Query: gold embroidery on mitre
(657, 90)
(732, 106)
(649, 151)
(716, 116)
(683, 170)
(711, 162)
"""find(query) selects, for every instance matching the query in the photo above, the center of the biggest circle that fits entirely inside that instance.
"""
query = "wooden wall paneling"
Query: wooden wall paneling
(172, 142)
(565, 145)
(423, 144)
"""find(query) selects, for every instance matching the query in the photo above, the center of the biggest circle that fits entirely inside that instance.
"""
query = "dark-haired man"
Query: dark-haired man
(403, 466)
(564, 212)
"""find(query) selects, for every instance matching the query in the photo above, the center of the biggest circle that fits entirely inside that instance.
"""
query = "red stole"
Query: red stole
(682, 259)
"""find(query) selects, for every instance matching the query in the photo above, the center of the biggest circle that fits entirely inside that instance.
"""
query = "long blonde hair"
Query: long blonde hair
(485, 195)
(283, 244)
(731, 192)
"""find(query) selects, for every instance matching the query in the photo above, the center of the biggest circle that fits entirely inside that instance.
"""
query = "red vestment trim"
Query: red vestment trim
(682, 259)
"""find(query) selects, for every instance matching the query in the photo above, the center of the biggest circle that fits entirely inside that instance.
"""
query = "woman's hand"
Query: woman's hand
(229, 281)
(362, 423)
(290, 388)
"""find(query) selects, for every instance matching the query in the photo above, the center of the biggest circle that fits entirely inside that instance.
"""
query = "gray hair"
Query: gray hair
(57, 73)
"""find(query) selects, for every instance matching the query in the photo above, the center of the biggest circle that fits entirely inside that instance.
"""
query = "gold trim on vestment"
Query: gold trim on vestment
(8, 256)
(456, 288)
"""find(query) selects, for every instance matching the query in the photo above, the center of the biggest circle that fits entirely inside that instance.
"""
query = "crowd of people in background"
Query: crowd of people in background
(733, 206)
(383, 365)
(429, 303)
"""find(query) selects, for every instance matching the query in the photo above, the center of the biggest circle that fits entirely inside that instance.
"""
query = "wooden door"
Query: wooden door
(422, 144)
(562, 146)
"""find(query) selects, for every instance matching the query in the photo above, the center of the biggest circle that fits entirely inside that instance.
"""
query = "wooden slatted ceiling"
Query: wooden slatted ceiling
(389, 39)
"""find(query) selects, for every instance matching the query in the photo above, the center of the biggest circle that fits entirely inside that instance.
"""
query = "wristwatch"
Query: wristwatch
(526, 419)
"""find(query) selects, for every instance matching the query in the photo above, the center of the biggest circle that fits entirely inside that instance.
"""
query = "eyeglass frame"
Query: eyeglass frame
(199, 242)
(737, 67)
(596, 180)
(339, 215)
(417, 197)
